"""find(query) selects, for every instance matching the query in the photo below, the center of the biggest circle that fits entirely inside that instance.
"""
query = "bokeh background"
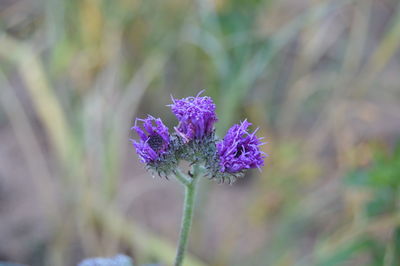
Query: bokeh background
(321, 78)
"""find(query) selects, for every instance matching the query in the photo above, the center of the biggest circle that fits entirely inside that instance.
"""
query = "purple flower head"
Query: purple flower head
(240, 149)
(154, 139)
(196, 116)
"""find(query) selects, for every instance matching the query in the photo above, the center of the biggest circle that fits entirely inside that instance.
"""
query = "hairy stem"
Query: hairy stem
(187, 216)
(181, 177)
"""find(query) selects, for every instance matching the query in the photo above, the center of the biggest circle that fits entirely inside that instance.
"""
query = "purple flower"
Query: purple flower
(196, 116)
(120, 260)
(240, 149)
(154, 139)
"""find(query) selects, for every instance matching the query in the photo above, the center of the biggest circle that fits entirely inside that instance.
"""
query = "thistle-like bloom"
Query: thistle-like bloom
(196, 116)
(239, 150)
(154, 139)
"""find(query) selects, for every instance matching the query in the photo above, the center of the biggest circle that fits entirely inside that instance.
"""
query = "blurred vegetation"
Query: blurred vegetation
(320, 79)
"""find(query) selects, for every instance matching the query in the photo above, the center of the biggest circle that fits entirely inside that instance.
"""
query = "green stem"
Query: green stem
(190, 191)
(184, 179)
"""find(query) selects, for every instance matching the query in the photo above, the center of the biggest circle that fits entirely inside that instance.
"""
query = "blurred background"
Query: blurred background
(321, 78)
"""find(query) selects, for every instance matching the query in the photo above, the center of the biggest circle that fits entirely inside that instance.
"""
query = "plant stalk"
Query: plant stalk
(187, 216)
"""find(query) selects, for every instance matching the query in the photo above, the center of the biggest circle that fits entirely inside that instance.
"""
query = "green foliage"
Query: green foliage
(347, 252)
(381, 181)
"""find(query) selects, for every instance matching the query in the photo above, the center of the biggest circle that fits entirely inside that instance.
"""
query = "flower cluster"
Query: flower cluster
(194, 140)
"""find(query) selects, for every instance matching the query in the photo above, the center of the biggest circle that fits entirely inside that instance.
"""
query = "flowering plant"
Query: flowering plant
(194, 140)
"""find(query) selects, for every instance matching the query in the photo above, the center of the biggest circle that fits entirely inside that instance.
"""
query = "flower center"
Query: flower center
(239, 151)
(155, 142)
